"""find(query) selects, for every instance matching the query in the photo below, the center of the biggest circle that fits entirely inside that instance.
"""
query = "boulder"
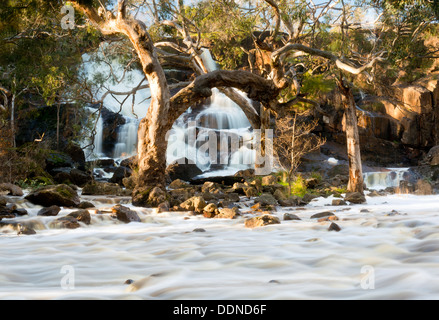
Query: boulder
(183, 169)
(251, 192)
(338, 202)
(86, 205)
(196, 204)
(322, 215)
(355, 197)
(156, 197)
(210, 210)
(266, 199)
(104, 188)
(65, 223)
(178, 184)
(60, 195)
(81, 216)
(334, 227)
(260, 221)
(227, 213)
(49, 211)
(432, 157)
(79, 177)
(24, 230)
(423, 187)
(11, 189)
(269, 180)
(291, 216)
(120, 173)
(124, 214)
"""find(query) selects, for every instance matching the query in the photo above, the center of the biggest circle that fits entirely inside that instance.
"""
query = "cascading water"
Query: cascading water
(203, 136)
(223, 124)
(384, 179)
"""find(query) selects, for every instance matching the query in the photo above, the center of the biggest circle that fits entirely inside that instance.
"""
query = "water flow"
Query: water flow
(126, 145)
(222, 120)
(385, 179)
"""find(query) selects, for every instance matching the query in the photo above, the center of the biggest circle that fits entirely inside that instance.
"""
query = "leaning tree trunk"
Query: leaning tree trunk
(356, 182)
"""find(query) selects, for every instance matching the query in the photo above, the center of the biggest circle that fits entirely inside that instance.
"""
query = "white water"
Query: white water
(167, 260)
(382, 180)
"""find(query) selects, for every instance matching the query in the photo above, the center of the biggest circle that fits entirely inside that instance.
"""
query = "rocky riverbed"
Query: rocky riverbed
(105, 248)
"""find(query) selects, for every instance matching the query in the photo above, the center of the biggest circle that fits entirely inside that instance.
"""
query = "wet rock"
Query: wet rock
(261, 221)
(210, 210)
(232, 197)
(279, 195)
(65, 223)
(433, 156)
(163, 207)
(322, 215)
(81, 216)
(79, 177)
(355, 197)
(124, 214)
(195, 203)
(210, 187)
(3, 201)
(120, 173)
(338, 202)
(86, 205)
(199, 230)
(49, 211)
(266, 199)
(20, 212)
(24, 230)
(334, 227)
(227, 213)
(248, 173)
(291, 216)
(99, 188)
(60, 195)
(329, 218)
(182, 169)
(11, 189)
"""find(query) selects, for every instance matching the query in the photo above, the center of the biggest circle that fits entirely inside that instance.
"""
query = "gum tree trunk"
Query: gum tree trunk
(356, 183)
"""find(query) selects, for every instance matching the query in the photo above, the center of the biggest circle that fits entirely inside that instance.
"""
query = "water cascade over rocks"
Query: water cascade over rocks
(216, 135)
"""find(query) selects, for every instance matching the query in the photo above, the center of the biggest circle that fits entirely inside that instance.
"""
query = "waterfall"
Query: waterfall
(384, 179)
(126, 145)
(223, 124)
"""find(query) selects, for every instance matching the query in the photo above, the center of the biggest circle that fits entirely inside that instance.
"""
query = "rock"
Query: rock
(20, 212)
(6, 213)
(86, 205)
(311, 183)
(199, 230)
(338, 202)
(248, 173)
(290, 202)
(49, 211)
(11, 189)
(80, 178)
(60, 195)
(58, 160)
(329, 218)
(269, 180)
(210, 187)
(120, 173)
(77, 155)
(250, 192)
(156, 197)
(291, 216)
(334, 227)
(178, 184)
(163, 207)
(423, 187)
(24, 230)
(232, 197)
(260, 221)
(279, 195)
(65, 223)
(98, 188)
(195, 203)
(266, 199)
(124, 214)
(322, 215)
(210, 210)
(227, 213)
(81, 216)
(183, 169)
(355, 197)
(432, 156)
(3, 201)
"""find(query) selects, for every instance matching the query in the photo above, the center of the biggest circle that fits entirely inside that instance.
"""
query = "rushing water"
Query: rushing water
(389, 251)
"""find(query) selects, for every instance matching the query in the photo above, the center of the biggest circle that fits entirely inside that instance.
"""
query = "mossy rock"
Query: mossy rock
(60, 195)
